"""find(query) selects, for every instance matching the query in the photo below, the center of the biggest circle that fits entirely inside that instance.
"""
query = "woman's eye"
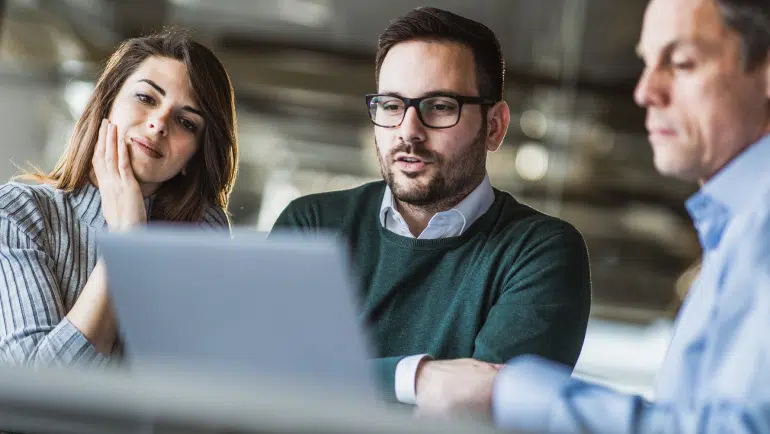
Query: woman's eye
(144, 98)
(188, 125)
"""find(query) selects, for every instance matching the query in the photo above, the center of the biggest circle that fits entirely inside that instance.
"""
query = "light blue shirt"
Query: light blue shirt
(716, 375)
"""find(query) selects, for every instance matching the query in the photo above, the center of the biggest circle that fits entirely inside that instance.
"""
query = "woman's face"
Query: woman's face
(158, 119)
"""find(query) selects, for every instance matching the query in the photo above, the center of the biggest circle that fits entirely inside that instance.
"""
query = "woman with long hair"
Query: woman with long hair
(157, 142)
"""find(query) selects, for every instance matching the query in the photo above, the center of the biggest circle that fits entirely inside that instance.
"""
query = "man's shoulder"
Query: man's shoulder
(334, 199)
(749, 237)
(516, 218)
(328, 209)
(521, 231)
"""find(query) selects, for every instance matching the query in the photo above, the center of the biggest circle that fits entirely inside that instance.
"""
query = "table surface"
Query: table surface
(169, 400)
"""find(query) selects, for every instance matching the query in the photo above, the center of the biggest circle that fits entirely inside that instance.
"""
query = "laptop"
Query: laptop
(283, 307)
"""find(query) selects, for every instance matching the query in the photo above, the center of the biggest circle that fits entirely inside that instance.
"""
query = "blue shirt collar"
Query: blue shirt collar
(733, 189)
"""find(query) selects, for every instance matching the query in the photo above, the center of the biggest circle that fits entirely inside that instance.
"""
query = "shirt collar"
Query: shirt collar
(387, 204)
(749, 168)
(730, 191)
(476, 203)
(471, 208)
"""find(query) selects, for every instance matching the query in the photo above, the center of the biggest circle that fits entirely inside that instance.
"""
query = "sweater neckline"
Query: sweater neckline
(479, 225)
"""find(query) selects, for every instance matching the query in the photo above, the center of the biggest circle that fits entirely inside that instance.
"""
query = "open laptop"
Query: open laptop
(279, 308)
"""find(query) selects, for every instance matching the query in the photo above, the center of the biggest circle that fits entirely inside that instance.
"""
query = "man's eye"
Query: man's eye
(443, 107)
(684, 65)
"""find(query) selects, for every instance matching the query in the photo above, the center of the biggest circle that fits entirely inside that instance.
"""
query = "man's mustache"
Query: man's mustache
(411, 148)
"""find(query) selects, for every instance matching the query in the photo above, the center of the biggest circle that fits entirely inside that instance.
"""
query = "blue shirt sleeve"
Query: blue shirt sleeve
(532, 394)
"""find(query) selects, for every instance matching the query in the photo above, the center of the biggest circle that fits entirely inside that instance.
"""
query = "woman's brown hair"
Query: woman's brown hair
(210, 173)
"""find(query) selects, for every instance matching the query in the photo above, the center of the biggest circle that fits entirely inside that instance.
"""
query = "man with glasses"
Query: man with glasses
(456, 275)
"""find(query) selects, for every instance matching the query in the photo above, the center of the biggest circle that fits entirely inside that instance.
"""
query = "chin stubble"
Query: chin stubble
(451, 182)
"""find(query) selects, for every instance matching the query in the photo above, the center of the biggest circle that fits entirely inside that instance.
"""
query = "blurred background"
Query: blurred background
(576, 147)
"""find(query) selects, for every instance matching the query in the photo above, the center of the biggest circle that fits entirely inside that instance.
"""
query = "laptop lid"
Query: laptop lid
(282, 307)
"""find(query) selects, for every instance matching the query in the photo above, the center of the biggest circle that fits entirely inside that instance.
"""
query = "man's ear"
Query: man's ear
(767, 75)
(498, 118)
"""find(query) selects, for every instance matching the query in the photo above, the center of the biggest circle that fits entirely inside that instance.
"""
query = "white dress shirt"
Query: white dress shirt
(445, 224)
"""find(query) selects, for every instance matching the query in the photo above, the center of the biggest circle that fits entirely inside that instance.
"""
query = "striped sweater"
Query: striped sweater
(47, 252)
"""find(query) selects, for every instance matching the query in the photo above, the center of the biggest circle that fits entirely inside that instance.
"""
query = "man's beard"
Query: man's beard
(449, 183)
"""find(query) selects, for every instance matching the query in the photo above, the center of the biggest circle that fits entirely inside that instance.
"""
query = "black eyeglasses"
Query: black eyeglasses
(435, 111)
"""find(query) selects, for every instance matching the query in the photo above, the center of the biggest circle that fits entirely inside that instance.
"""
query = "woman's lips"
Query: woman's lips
(146, 147)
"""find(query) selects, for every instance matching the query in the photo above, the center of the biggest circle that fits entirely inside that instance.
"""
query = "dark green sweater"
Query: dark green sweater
(516, 282)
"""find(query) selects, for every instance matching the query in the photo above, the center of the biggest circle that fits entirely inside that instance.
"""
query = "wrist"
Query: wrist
(420, 377)
(125, 226)
(406, 378)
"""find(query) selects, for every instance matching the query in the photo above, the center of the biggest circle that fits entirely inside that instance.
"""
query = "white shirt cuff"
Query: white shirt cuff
(406, 378)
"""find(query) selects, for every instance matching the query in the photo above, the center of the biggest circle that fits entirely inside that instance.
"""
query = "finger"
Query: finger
(124, 160)
(111, 152)
(101, 138)
(98, 158)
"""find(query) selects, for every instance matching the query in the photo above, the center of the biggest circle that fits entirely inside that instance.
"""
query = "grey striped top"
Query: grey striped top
(47, 251)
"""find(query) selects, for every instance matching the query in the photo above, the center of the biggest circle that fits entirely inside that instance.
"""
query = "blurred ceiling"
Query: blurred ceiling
(300, 68)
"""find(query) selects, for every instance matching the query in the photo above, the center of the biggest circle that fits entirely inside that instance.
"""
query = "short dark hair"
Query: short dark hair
(432, 24)
(751, 19)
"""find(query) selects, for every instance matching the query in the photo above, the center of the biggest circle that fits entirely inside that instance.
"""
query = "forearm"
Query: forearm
(62, 344)
(555, 332)
(385, 372)
(92, 313)
(33, 327)
(535, 395)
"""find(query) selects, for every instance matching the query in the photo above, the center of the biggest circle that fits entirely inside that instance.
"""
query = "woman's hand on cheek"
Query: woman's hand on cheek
(122, 202)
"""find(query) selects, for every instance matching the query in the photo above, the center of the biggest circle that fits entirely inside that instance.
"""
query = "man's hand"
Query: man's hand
(452, 387)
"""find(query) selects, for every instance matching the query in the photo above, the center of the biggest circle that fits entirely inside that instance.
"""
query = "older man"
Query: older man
(706, 88)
